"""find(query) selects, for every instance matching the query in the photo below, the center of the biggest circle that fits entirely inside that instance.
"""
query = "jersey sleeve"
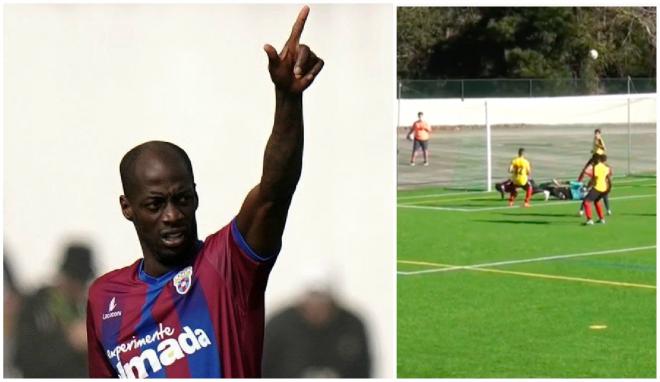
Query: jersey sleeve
(97, 363)
(244, 270)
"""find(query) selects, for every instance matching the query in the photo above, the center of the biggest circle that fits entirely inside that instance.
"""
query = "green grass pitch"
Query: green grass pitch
(566, 300)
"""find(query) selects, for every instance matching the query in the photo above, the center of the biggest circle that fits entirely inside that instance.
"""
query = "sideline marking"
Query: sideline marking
(535, 205)
(424, 263)
(447, 267)
(557, 277)
(553, 277)
(567, 278)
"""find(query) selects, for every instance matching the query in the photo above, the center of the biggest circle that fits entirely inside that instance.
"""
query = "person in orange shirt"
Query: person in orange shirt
(420, 132)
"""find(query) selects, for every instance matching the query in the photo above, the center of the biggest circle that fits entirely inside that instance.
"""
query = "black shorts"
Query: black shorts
(420, 144)
(594, 195)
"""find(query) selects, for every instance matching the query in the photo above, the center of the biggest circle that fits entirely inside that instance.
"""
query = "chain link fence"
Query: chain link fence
(507, 88)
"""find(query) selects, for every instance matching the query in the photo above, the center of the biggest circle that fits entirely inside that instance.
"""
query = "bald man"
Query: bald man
(192, 308)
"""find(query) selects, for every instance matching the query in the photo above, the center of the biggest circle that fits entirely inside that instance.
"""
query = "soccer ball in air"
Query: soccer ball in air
(593, 53)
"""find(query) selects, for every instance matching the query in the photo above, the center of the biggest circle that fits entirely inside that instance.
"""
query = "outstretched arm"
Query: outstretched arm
(263, 215)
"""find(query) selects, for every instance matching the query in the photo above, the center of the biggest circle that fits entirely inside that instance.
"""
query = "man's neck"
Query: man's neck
(154, 268)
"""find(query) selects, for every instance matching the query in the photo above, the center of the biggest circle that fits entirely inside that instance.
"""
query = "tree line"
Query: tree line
(525, 42)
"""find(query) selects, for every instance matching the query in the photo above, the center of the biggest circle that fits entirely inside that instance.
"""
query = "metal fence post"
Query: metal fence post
(489, 167)
(398, 105)
(629, 130)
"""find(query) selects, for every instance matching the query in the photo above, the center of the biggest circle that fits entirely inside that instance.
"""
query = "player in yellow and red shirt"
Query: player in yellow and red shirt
(420, 132)
(520, 170)
(597, 149)
(601, 183)
(589, 171)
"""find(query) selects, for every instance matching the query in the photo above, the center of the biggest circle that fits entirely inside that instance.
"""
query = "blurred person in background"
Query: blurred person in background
(51, 337)
(12, 305)
(316, 337)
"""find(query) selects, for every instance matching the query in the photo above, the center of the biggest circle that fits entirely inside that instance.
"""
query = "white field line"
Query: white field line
(521, 261)
(470, 195)
(534, 205)
(486, 192)
(485, 197)
(444, 194)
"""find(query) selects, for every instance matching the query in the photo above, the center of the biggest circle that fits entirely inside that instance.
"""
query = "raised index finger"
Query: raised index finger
(298, 26)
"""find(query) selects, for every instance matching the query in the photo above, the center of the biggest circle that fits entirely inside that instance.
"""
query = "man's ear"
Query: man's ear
(196, 197)
(126, 208)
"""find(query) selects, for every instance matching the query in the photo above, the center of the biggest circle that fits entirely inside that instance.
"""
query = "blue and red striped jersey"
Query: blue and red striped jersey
(204, 320)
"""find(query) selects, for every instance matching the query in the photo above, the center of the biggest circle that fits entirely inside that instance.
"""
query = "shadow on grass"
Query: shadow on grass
(545, 214)
(476, 203)
(642, 176)
(651, 215)
(513, 221)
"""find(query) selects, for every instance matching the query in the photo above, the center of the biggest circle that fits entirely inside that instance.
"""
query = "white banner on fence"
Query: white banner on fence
(541, 110)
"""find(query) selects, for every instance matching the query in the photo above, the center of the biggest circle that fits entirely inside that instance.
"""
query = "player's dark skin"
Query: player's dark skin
(162, 200)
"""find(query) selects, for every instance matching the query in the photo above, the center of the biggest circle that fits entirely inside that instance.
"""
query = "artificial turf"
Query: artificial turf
(526, 318)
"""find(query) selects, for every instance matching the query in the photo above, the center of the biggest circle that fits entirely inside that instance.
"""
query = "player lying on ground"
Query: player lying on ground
(601, 184)
(556, 188)
(193, 308)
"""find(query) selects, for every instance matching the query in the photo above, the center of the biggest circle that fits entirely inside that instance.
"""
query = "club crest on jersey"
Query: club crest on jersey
(183, 280)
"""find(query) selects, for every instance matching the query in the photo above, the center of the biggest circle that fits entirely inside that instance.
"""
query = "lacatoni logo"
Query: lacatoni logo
(166, 353)
(111, 307)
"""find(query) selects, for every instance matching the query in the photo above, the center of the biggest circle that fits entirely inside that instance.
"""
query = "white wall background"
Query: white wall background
(541, 110)
(85, 83)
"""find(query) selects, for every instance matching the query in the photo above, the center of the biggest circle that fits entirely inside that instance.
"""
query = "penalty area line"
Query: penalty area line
(534, 205)
(441, 194)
